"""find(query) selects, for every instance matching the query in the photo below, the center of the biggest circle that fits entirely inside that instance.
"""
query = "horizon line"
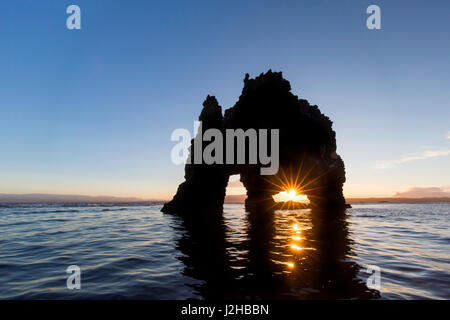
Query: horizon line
(240, 198)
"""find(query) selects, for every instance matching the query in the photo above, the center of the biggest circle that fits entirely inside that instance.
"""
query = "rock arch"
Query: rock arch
(307, 151)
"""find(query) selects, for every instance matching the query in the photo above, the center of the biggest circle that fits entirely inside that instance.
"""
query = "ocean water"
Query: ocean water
(137, 252)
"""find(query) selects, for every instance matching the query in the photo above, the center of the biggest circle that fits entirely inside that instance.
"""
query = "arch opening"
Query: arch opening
(235, 187)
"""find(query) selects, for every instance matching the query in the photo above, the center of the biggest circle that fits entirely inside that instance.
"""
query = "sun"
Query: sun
(291, 194)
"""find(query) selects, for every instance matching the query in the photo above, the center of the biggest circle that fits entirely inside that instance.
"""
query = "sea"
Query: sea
(134, 251)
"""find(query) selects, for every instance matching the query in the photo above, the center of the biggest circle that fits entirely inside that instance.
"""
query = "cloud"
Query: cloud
(448, 135)
(421, 156)
(427, 192)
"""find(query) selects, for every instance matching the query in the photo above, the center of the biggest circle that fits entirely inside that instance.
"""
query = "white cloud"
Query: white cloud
(448, 135)
(409, 158)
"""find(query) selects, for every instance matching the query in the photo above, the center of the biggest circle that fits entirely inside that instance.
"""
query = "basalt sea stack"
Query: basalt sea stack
(307, 152)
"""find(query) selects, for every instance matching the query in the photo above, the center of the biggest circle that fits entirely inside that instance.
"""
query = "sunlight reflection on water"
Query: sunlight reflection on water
(138, 252)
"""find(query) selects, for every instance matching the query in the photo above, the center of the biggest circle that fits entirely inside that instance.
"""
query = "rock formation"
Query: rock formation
(307, 151)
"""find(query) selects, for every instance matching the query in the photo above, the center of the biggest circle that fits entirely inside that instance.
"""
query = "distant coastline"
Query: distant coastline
(398, 200)
(241, 199)
(59, 198)
(63, 198)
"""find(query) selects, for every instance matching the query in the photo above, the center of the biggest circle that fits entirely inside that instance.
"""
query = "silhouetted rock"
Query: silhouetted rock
(307, 152)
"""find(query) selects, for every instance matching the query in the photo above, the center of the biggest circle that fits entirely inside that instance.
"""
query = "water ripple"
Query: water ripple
(136, 251)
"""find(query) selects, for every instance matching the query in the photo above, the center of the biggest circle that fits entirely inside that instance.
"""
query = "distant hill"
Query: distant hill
(423, 192)
(399, 200)
(59, 198)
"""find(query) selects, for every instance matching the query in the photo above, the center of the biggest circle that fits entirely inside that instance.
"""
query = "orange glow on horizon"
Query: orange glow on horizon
(290, 195)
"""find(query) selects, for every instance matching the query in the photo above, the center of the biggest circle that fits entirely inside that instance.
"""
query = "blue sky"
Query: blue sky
(91, 111)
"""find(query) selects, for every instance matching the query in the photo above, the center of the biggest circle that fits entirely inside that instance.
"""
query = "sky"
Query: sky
(91, 111)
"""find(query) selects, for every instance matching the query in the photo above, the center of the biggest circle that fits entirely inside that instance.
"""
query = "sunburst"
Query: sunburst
(295, 184)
